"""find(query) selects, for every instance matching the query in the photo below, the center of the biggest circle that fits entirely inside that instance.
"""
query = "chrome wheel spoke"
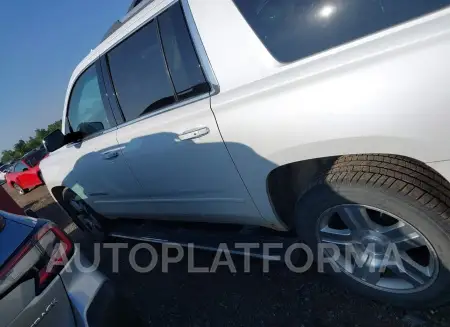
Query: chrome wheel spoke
(89, 226)
(336, 236)
(410, 271)
(355, 217)
(365, 235)
(85, 217)
(76, 206)
(366, 271)
(403, 236)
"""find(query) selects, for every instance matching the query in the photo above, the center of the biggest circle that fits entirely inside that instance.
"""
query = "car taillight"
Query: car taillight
(41, 258)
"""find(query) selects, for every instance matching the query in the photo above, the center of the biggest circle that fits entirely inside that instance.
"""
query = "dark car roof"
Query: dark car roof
(24, 220)
(15, 231)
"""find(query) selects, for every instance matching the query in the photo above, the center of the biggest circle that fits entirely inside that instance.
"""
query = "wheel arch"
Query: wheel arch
(13, 182)
(288, 182)
(57, 192)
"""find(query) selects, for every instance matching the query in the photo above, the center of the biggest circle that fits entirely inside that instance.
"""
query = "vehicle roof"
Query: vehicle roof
(20, 219)
(28, 153)
(135, 7)
(33, 151)
(144, 15)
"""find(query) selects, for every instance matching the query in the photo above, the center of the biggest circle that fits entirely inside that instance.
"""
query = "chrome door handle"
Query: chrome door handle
(110, 155)
(193, 133)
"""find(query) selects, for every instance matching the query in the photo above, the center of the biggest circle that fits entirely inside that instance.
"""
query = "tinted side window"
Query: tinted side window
(139, 73)
(87, 112)
(293, 29)
(34, 158)
(5, 168)
(185, 70)
(19, 167)
(28, 162)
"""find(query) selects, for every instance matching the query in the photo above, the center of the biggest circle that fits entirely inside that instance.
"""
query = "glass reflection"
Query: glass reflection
(326, 11)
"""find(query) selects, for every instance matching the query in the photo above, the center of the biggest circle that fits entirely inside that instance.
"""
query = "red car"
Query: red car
(25, 173)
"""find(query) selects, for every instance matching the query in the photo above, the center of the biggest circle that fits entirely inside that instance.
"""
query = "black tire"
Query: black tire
(96, 234)
(19, 189)
(398, 185)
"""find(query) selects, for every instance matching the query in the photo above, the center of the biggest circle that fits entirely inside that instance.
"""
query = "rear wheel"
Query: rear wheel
(19, 190)
(386, 222)
(84, 216)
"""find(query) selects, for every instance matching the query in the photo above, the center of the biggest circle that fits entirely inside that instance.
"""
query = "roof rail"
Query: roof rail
(112, 29)
(135, 7)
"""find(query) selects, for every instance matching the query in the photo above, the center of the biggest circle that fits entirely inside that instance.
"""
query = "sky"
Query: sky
(41, 42)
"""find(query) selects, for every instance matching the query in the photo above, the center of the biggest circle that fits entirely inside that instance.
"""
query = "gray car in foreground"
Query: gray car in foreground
(40, 280)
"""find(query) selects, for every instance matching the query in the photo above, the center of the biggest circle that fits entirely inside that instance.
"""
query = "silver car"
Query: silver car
(38, 286)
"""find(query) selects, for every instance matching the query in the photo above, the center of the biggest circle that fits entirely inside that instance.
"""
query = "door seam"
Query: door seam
(121, 147)
(234, 163)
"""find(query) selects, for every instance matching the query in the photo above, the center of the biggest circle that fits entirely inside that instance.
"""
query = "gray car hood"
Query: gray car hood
(16, 229)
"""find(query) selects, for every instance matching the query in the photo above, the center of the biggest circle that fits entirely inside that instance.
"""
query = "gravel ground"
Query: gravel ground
(277, 298)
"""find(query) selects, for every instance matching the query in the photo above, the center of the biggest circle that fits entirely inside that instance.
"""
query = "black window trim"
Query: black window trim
(207, 72)
(161, 46)
(199, 48)
(108, 75)
(110, 92)
(105, 100)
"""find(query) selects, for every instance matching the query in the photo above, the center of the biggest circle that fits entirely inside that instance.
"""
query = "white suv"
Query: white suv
(330, 118)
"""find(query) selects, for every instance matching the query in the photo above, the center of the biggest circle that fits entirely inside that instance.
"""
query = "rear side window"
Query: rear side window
(185, 70)
(139, 73)
(157, 66)
(294, 29)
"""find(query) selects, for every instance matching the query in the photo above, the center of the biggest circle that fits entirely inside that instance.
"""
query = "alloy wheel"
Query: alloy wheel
(83, 215)
(378, 248)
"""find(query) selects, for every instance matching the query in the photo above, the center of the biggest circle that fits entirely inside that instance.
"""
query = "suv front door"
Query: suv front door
(100, 175)
(170, 139)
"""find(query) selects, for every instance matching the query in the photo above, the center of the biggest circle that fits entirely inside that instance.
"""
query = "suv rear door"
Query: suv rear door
(170, 137)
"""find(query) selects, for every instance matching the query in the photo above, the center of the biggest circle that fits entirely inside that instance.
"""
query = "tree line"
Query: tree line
(22, 147)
